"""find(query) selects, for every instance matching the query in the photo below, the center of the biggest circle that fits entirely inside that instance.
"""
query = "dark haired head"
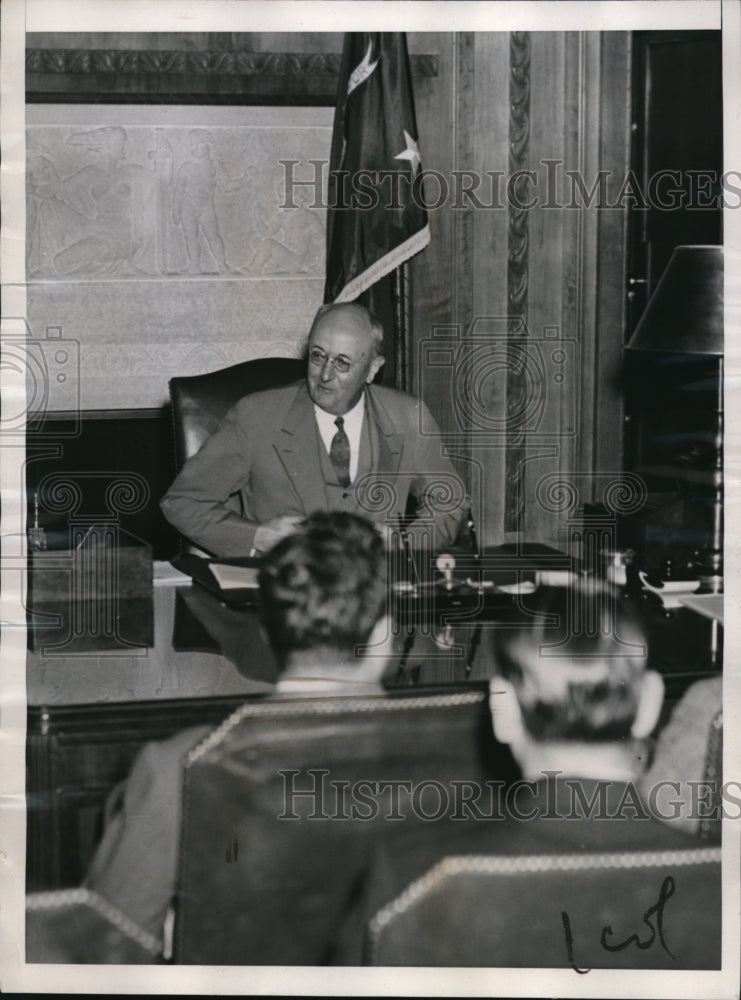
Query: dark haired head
(577, 667)
(323, 588)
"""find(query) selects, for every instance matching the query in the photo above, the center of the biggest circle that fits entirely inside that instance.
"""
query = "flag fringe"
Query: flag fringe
(416, 242)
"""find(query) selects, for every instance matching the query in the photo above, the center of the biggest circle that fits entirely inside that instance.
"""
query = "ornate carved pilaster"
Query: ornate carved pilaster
(462, 290)
(517, 272)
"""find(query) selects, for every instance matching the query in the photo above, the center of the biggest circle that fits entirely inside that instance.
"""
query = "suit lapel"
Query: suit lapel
(388, 444)
(386, 451)
(295, 444)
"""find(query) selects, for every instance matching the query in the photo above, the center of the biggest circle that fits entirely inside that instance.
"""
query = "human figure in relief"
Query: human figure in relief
(194, 205)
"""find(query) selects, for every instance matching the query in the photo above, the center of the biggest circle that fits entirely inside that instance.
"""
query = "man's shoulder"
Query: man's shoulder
(393, 396)
(394, 402)
(265, 400)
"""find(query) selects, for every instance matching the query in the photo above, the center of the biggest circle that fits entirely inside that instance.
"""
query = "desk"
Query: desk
(89, 712)
(148, 673)
(708, 605)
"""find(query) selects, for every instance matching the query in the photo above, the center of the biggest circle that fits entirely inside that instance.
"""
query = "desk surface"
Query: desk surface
(204, 649)
(147, 674)
(709, 605)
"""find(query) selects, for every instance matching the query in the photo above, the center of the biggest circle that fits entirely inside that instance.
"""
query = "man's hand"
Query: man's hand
(272, 531)
(389, 535)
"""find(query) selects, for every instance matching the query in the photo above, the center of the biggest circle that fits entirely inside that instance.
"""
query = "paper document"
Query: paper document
(234, 577)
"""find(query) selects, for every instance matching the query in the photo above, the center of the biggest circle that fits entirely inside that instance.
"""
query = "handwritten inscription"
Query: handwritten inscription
(643, 943)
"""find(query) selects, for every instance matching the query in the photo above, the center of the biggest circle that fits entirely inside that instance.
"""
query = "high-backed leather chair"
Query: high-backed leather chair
(200, 402)
(508, 911)
(266, 873)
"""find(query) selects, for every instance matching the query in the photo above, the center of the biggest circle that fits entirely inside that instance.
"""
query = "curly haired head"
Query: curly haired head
(323, 588)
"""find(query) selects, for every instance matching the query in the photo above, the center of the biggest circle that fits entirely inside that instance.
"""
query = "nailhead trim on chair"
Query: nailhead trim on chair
(71, 897)
(712, 773)
(333, 706)
(481, 864)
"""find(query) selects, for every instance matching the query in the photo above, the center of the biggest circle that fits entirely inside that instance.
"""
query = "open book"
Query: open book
(231, 577)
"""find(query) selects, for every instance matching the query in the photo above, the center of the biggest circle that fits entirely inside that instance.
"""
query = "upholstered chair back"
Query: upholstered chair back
(79, 926)
(710, 823)
(284, 803)
(551, 911)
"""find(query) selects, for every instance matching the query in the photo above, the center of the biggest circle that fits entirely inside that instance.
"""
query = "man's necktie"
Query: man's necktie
(339, 453)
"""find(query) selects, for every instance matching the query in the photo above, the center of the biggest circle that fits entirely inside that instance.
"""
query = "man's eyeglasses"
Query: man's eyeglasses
(319, 358)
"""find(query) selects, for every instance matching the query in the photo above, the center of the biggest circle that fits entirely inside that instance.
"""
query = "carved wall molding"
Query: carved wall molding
(517, 269)
(199, 63)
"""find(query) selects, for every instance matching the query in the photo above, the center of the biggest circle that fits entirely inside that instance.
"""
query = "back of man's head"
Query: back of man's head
(323, 588)
(578, 667)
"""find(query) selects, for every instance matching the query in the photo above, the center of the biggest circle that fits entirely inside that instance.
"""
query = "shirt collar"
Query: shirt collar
(352, 419)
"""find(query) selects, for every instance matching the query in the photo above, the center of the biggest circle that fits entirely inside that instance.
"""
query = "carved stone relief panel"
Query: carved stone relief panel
(163, 241)
(136, 200)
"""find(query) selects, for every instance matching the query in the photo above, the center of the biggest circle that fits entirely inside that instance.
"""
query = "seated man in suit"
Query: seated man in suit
(572, 698)
(322, 593)
(333, 442)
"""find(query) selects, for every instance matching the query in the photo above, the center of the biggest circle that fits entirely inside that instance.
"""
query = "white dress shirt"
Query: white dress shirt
(353, 424)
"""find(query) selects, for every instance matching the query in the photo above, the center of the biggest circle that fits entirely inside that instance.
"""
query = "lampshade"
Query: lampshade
(685, 313)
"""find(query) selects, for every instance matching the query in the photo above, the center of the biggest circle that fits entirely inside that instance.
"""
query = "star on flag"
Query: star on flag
(411, 153)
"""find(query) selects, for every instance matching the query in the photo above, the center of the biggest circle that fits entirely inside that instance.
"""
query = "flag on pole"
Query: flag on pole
(376, 216)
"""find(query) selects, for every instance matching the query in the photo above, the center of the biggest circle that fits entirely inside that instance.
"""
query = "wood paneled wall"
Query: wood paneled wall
(529, 300)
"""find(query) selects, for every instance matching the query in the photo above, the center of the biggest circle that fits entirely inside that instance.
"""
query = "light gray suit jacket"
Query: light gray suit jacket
(266, 450)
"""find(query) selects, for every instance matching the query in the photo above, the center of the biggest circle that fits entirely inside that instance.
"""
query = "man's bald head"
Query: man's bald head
(345, 347)
(353, 316)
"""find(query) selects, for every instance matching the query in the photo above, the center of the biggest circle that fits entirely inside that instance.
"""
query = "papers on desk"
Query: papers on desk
(670, 592)
(232, 581)
(674, 598)
(165, 574)
(521, 587)
(231, 577)
(709, 605)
